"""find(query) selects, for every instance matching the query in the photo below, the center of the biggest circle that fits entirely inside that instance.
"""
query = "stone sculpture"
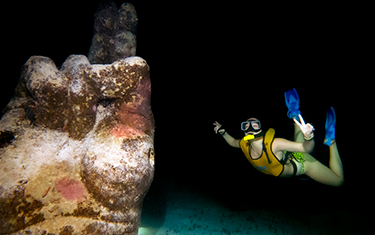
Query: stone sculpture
(76, 144)
(115, 33)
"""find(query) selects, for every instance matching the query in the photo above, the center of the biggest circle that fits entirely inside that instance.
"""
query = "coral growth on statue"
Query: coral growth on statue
(76, 143)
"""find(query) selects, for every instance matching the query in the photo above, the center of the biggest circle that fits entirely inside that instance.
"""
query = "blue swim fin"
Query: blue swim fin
(330, 127)
(292, 102)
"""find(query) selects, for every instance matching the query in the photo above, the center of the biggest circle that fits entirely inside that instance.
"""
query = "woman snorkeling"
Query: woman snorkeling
(283, 158)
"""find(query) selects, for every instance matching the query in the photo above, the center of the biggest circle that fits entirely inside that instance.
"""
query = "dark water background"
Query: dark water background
(226, 63)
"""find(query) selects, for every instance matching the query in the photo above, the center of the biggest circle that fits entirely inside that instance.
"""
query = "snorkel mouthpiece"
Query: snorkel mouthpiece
(249, 137)
(251, 126)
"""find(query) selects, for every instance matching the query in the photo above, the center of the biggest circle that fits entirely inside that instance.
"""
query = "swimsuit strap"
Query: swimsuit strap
(294, 168)
(265, 150)
(264, 145)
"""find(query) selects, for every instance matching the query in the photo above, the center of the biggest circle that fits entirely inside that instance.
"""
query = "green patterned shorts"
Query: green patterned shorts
(298, 156)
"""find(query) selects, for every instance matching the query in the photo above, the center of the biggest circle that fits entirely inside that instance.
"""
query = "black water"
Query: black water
(226, 63)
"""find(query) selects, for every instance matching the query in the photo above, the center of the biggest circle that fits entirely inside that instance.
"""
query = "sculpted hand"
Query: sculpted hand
(307, 129)
(65, 146)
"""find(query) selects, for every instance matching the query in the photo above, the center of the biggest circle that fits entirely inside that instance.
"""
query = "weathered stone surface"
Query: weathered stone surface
(115, 33)
(76, 143)
(76, 152)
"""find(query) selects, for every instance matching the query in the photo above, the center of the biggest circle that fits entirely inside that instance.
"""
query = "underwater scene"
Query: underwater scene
(184, 118)
(184, 210)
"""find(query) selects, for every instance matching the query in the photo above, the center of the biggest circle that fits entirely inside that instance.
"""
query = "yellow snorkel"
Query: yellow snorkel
(251, 126)
(249, 137)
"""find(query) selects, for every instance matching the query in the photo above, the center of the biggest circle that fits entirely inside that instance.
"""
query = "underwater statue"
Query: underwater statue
(76, 143)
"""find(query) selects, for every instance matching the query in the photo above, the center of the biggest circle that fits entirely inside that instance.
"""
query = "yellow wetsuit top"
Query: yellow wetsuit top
(267, 162)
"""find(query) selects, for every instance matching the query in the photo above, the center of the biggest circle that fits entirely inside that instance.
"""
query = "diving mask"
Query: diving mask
(251, 125)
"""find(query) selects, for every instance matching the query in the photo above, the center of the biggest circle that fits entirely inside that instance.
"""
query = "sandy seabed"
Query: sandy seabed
(183, 210)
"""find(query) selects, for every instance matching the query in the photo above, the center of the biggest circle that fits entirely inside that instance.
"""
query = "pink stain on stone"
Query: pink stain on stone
(125, 131)
(71, 189)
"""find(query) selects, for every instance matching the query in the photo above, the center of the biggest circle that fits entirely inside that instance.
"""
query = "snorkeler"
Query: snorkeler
(283, 158)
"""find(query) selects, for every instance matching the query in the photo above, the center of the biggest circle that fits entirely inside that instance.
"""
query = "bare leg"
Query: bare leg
(333, 176)
(288, 167)
(335, 161)
(298, 135)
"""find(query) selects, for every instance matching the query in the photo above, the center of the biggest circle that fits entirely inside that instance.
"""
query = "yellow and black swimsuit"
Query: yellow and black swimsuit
(267, 163)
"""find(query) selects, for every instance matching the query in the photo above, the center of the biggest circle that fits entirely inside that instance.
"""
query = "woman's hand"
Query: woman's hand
(307, 129)
(217, 128)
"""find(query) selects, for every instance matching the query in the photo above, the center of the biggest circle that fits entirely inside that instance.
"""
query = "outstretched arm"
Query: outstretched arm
(230, 140)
